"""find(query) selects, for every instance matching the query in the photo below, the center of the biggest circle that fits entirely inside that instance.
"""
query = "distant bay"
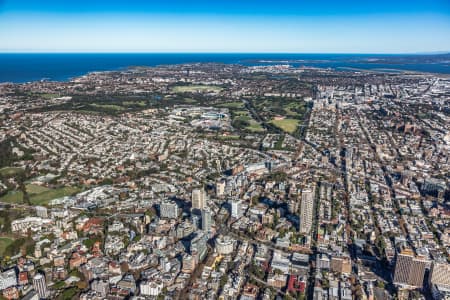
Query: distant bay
(23, 67)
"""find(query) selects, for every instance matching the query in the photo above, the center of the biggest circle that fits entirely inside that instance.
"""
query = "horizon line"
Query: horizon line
(225, 52)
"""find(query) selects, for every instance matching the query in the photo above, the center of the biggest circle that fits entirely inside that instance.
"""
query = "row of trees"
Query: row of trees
(7, 157)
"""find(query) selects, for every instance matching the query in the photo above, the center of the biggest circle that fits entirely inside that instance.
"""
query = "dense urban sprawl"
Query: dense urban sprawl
(211, 181)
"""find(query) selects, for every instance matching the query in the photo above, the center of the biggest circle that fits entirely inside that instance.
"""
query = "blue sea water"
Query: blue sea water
(60, 67)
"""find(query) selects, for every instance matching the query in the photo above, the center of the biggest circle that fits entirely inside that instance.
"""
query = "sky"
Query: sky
(286, 26)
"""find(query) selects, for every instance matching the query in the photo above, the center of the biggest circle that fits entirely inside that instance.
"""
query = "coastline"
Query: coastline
(29, 67)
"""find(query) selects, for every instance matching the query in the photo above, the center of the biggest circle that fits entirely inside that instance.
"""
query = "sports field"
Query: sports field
(287, 125)
(196, 88)
(231, 105)
(250, 123)
(111, 107)
(39, 195)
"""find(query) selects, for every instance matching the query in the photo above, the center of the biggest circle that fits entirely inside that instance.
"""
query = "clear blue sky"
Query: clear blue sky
(325, 26)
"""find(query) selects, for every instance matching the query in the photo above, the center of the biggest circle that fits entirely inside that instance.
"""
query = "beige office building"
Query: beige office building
(198, 199)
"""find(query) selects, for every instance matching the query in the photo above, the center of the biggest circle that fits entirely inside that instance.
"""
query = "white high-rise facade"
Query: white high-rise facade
(198, 199)
(151, 288)
(206, 219)
(224, 245)
(236, 209)
(169, 209)
(306, 210)
(40, 286)
(220, 188)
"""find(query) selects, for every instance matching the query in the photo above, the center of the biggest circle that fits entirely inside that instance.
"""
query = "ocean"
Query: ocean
(21, 68)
